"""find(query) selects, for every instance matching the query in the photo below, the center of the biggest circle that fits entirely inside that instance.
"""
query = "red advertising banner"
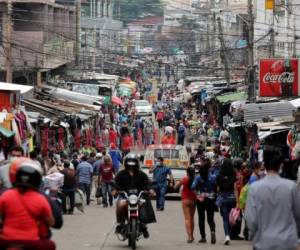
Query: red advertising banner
(279, 77)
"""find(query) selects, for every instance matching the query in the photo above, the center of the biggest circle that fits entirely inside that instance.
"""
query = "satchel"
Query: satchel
(98, 192)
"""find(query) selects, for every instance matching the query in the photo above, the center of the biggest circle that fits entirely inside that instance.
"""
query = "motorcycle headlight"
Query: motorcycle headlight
(133, 199)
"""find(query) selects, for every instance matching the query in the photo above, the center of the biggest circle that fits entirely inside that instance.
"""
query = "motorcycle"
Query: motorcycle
(133, 226)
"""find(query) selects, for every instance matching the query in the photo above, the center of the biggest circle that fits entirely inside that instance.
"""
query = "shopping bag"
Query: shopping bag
(234, 216)
(147, 214)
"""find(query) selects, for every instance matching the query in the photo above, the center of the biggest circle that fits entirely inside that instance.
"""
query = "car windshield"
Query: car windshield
(166, 153)
(141, 103)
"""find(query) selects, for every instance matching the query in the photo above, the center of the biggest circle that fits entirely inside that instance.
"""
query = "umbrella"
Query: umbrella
(116, 100)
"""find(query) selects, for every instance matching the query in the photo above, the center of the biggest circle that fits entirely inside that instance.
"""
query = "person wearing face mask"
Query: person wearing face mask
(15, 152)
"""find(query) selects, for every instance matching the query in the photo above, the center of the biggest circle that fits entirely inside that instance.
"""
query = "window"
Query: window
(174, 154)
(165, 153)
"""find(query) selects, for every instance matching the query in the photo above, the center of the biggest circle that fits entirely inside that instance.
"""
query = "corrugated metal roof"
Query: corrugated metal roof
(275, 110)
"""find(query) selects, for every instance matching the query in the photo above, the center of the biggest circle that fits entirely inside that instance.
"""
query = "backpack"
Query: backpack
(181, 130)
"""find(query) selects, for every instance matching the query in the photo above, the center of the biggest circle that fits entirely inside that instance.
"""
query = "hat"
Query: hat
(99, 155)
(113, 145)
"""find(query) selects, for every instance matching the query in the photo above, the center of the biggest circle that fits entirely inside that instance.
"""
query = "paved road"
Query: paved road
(94, 231)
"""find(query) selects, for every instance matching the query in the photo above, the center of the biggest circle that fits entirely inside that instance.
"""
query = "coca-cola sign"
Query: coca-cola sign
(279, 77)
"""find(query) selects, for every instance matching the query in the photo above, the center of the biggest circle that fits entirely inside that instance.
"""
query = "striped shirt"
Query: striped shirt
(84, 172)
(160, 174)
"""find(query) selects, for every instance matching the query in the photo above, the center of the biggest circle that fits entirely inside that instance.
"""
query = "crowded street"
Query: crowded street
(149, 125)
(94, 231)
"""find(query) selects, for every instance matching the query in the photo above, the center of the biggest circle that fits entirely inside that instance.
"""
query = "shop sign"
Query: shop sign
(279, 78)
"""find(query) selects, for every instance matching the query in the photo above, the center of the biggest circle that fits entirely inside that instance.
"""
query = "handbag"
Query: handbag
(234, 216)
(98, 192)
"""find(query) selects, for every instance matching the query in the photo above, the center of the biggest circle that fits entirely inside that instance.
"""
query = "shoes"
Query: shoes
(213, 238)
(160, 209)
(227, 240)
(111, 204)
(190, 241)
(105, 205)
(202, 240)
(145, 232)
(237, 238)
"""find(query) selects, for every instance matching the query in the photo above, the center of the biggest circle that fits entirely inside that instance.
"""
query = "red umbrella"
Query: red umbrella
(116, 100)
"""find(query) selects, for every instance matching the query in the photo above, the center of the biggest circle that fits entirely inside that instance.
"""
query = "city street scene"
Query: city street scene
(150, 124)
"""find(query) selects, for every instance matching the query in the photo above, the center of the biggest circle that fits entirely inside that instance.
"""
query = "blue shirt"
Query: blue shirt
(253, 178)
(206, 186)
(96, 166)
(160, 174)
(84, 172)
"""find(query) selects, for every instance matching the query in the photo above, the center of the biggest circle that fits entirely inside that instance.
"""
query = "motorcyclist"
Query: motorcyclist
(26, 213)
(130, 178)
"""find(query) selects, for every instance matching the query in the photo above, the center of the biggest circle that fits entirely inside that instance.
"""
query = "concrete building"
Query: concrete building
(101, 33)
(144, 33)
(285, 22)
(41, 38)
(174, 10)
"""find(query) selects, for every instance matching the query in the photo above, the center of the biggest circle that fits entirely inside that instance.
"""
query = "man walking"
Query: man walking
(273, 208)
(160, 174)
(84, 174)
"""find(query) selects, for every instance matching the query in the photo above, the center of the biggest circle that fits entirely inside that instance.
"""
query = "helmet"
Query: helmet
(14, 166)
(132, 162)
(28, 174)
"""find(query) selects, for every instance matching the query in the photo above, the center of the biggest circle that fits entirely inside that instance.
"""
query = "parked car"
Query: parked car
(143, 108)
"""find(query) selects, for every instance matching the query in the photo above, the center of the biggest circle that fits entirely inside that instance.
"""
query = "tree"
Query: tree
(134, 9)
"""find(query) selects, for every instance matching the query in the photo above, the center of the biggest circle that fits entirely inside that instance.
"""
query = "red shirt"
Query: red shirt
(126, 143)
(160, 116)
(106, 172)
(187, 193)
(112, 136)
(168, 140)
(22, 223)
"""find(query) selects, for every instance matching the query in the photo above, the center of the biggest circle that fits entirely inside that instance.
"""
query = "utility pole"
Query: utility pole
(7, 41)
(272, 35)
(94, 49)
(78, 32)
(223, 53)
(250, 43)
(287, 27)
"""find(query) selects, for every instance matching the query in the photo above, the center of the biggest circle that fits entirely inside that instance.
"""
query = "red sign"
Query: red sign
(279, 77)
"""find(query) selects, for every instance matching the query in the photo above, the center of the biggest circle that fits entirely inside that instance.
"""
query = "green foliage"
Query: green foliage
(134, 9)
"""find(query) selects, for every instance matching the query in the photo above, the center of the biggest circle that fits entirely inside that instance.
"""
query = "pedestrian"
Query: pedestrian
(188, 198)
(69, 188)
(160, 174)
(84, 175)
(75, 161)
(115, 157)
(273, 208)
(106, 175)
(168, 139)
(14, 152)
(226, 199)
(126, 144)
(181, 134)
(95, 182)
(112, 136)
(205, 186)
(160, 118)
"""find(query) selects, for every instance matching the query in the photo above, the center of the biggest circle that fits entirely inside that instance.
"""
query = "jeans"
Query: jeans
(86, 189)
(106, 191)
(207, 206)
(160, 196)
(71, 194)
(180, 140)
(225, 211)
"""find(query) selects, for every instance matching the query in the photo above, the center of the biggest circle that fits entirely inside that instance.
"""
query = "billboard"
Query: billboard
(279, 77)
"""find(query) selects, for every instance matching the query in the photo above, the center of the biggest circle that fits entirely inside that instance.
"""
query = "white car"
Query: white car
(143, 108)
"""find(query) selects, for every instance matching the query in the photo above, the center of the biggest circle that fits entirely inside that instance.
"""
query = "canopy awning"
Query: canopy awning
(6, 133)
(236, 96)
(117, 101)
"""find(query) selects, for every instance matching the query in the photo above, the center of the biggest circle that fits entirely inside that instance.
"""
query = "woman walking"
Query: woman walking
(226, 199)
(188, 198)
(205, 187)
